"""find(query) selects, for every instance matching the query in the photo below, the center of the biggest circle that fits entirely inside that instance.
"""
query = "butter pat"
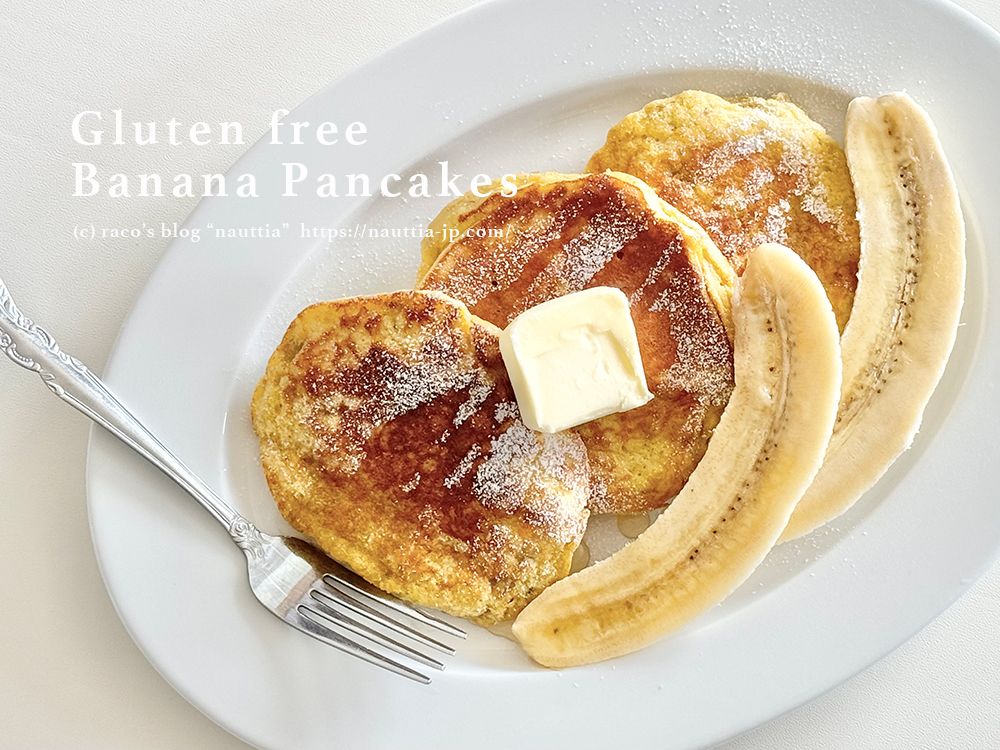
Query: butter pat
(573, 359)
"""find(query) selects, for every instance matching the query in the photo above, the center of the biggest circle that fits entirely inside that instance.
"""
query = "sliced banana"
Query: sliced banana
(911, 282)
(764, 453)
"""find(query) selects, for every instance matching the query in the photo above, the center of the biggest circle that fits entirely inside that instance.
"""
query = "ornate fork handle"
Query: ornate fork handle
(33, 348)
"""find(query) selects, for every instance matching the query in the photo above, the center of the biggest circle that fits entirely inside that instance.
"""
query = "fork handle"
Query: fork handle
(33, 348)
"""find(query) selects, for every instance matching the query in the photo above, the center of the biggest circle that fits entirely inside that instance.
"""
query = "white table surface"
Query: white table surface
(70, 676)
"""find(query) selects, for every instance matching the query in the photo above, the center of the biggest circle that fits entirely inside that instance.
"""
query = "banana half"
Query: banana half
(764, 453)
(911, 282)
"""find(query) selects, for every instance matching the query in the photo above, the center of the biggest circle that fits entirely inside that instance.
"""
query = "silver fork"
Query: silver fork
(293, 579)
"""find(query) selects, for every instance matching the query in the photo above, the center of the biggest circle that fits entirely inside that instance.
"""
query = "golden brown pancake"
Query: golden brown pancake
(749, 171)
(389, 433)
(562, 233)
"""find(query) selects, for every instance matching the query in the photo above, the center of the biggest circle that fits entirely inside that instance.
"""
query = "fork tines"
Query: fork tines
(336, 601)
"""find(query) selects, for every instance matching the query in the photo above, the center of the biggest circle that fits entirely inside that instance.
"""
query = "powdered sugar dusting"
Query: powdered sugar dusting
(702, 366)
(661, 265)
(555, 240)
(478, 393)
(721, 159)
(775, 224)
(756, 173)
(519, 462)
(473, 281)
(348, 406)
(463, 467)
(607, 233)
(505, 410)
(584, 255)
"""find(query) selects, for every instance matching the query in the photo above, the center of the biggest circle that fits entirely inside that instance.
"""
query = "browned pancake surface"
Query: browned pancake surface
(563, 233)
(390, 434)
(749, 171)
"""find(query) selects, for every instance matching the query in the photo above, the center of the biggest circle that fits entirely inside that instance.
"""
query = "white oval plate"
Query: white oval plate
(512, 86)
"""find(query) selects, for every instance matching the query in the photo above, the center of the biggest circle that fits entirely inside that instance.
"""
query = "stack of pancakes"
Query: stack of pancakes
(388, 427)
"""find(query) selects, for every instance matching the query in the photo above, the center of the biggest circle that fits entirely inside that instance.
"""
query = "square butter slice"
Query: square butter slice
(573, 359)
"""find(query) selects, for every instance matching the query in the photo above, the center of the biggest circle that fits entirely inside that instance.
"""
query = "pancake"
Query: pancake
(750, 171)
(562, 233)
(389, 433)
